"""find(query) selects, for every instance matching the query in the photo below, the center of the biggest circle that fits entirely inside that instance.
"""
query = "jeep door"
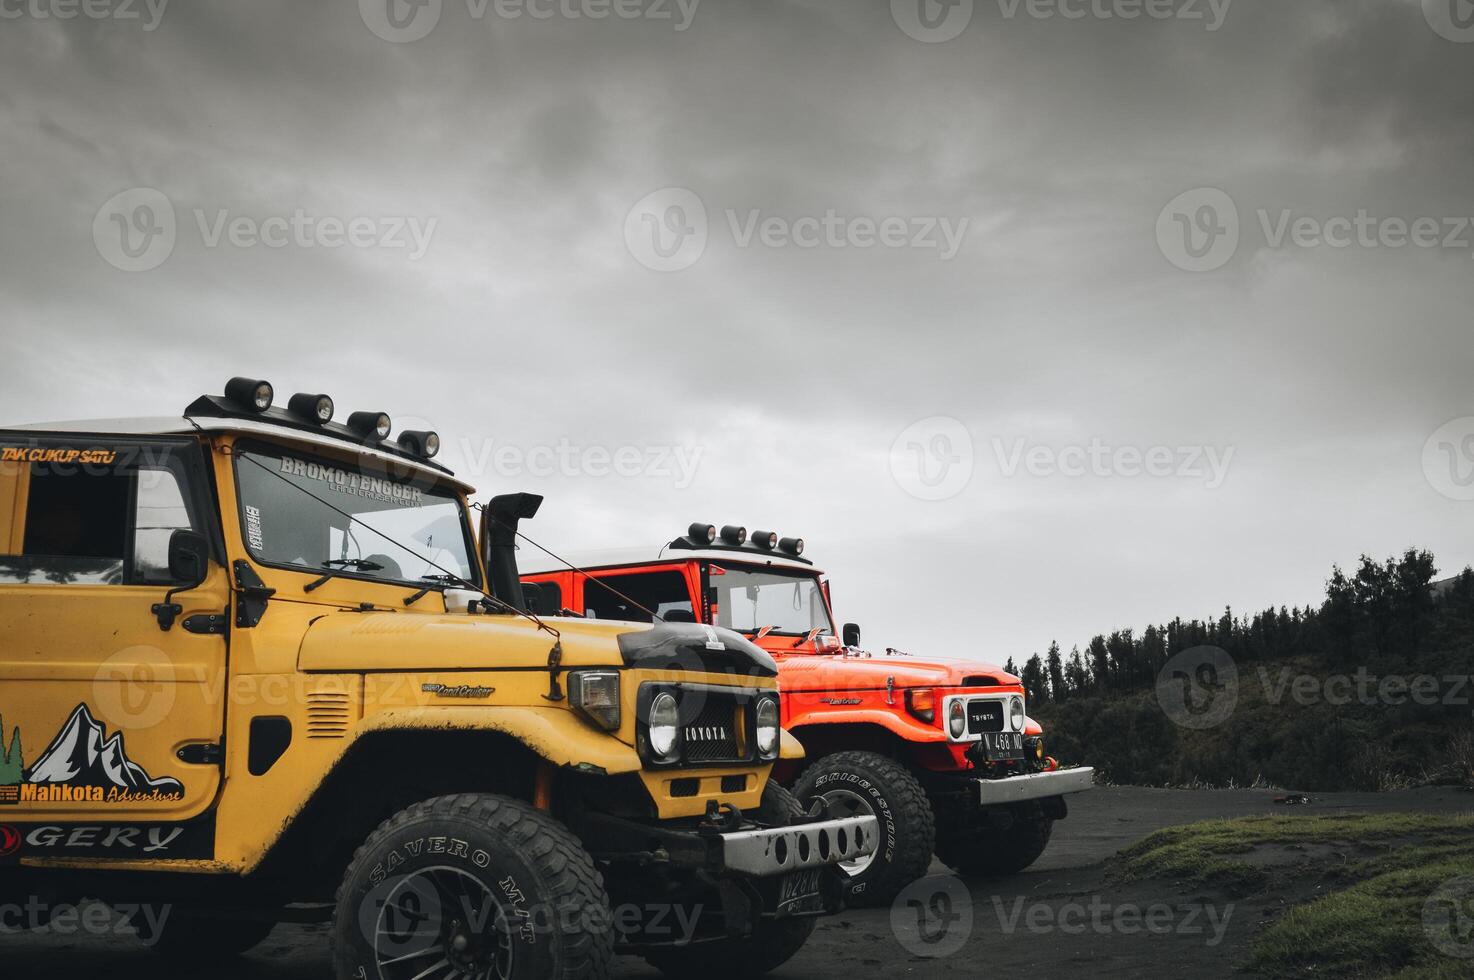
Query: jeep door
(107, 715)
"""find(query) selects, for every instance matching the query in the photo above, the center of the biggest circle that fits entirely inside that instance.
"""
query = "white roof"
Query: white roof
(530, 561)
(177, 425)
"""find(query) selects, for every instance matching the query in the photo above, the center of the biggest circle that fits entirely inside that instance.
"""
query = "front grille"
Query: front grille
(984, 716)
(711, 734)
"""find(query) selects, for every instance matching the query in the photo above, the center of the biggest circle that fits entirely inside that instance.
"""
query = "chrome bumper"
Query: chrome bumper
(784, 850)
(1017, 789)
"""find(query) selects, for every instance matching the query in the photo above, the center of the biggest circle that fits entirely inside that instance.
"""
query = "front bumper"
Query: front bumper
(1035, 786)
(751, 851)
(781, 850)
(730, 880)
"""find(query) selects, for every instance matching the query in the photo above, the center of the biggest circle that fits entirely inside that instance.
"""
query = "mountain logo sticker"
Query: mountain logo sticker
(81, 765)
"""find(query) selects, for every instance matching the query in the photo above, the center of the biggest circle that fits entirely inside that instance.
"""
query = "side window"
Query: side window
(160, 510)
(105, 520)
(664, 593)
(543, 598)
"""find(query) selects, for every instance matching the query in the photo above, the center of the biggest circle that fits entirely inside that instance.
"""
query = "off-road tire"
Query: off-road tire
(908, 829)
(199, 938)
(774, 943)
(538, 873)
(996, 854)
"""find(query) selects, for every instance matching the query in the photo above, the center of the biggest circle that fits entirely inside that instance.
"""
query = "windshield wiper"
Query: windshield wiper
(438, 579)
(333, 564)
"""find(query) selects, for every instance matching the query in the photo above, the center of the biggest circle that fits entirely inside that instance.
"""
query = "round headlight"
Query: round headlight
(312, 408)
(418, 443)
(767, 726)
(249, 393)
(366, 424)
(665, 726)
(957, 720)
(702, 533)
(1016, 714)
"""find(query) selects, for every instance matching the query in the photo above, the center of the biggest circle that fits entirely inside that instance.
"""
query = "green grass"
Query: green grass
(1370, 921)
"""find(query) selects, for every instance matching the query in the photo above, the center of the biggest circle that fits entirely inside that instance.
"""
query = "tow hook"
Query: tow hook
(721, 818)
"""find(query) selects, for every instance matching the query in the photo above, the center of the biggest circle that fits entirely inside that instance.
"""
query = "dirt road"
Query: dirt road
(1059, 919)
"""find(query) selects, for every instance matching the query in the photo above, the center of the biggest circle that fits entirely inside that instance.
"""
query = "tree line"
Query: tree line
(1384, 619)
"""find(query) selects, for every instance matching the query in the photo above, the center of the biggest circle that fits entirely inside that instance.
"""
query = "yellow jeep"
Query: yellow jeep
(256, 665)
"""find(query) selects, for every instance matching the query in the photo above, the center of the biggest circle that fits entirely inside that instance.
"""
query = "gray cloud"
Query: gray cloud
(794, 370)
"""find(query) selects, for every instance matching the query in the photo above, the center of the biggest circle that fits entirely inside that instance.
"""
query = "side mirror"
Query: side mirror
(189, 563)
(851, 635)
(189, 557)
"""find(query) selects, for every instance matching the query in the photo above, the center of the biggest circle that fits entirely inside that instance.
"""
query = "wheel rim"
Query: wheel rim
(445, 924)
(841, 803)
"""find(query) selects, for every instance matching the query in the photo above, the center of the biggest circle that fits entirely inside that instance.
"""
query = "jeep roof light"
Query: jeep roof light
(250, 398)
(734, 534)
(421, 443)
(250, 394)
(311, 408)
(375, 425)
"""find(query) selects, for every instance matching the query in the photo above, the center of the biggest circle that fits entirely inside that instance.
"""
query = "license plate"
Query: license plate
(799, 893)
(1003, 746)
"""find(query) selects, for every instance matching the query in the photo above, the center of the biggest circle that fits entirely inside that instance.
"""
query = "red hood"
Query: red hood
(813, 672)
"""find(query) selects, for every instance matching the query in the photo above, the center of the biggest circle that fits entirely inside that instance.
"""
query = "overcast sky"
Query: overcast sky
(904, 279)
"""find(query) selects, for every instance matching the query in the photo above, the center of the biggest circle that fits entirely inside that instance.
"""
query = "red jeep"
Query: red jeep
(939, 750)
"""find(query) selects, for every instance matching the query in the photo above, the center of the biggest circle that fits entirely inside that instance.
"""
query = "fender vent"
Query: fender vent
(328, 715)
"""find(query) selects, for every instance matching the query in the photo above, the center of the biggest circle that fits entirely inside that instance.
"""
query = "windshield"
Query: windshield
(295, 512)
(749, 600)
